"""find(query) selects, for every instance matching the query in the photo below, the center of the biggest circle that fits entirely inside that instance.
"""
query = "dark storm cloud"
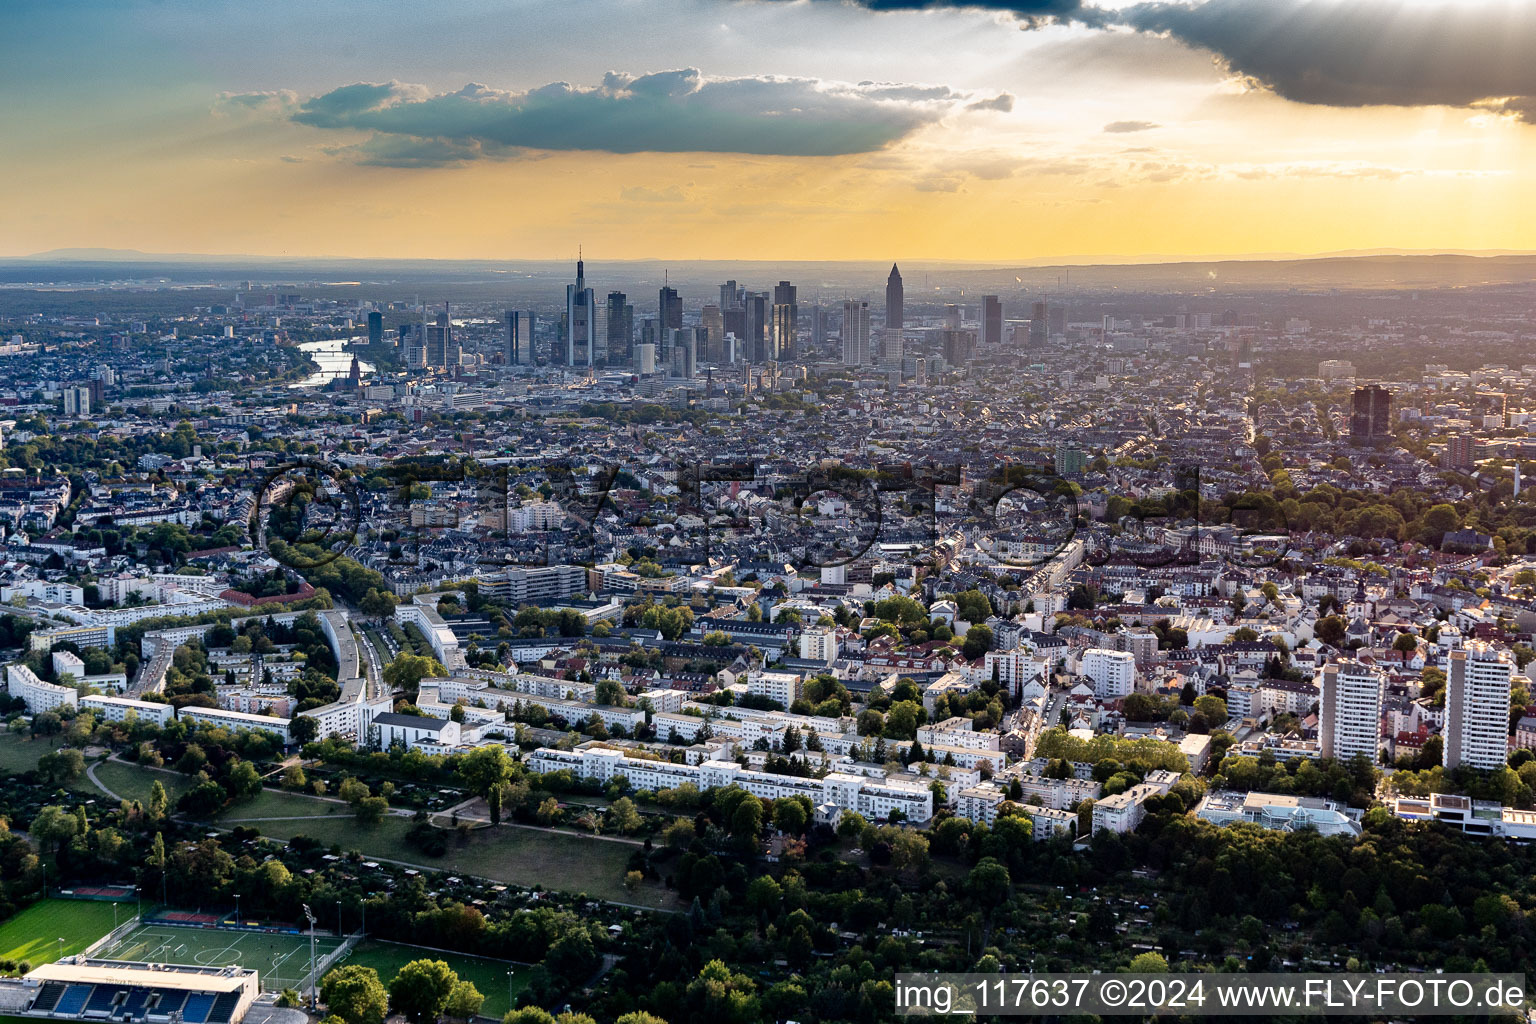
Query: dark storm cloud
(670, 111)
(1033, 12)
(1352, 53)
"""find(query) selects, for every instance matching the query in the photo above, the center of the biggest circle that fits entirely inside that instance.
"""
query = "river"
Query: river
(333, 359)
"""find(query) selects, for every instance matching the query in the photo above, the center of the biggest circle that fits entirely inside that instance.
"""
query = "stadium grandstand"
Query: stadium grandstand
(82, 989)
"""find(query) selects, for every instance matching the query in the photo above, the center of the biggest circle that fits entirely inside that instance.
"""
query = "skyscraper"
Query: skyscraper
(757, 326)
(1477, 689)
(519, 338)
(730, 296)
(580, 310)
(781, 336)
(1349, 711)
(437, 341)
(991, 320)
(669, 308)
(855, 333)
(1370, 415)
(621, 327)
(1039, 323)
(714, 334)
(895, 300)
(375, 328)
(786, 312)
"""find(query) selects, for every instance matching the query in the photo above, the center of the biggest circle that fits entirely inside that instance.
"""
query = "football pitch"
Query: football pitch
(281, 961)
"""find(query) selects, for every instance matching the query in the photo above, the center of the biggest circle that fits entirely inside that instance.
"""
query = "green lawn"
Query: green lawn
(134, 783)
(18, 755)
(518, 856)
(272, 803)
(489, 976)
(33, 935)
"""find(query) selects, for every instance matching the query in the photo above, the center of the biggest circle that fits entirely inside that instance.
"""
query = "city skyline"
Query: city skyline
(981, 131)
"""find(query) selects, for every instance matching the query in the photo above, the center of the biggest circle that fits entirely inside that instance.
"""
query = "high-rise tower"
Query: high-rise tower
(580, 317)
(895, 301)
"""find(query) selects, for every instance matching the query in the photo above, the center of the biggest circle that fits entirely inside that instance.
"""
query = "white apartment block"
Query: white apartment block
(957, 732)
(236, 720)
(119, 709)
(1124, 811)
(98, 635)
(1015, 669)
(1477, 688)
(536, 515)
(819, 645)
(1113, 672)
(783, 687)
(421, 612)
(1349, 711)
(875, 799)
(68, 662)
(22, 682)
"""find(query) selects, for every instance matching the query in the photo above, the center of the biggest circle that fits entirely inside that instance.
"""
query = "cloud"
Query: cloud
(1031, 12)
(679, 111)
(1353, 53)
(273, 102)
(1125, 127)
(1002, 101)
(641, 194)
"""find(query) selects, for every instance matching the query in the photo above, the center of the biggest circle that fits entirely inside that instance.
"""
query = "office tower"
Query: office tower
(958, 344)
(1371, 413)
(519, 338)
(1038, 324)
(645, 357)
(781, 336)
(437, 341)
(621, 327)
(1459, 452)
(895, 300)
(1056, 318)
(1477, 688)
(453, 346)
(375, 328)
(580, 307)
(1070, 461)
(1349, 711)
(784, 319)
(714, 334)
(953, 314)
(682, 345)
(991, 320)
(855, 333)
(77, 401)
(730, 296)
(757, 326)
(920, 371)
(98, 396)
(892, 346)
(669, 308)
(819, 318)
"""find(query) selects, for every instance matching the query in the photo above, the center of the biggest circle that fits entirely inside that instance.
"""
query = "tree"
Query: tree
(988, 881)
(790, 816)
(378, 604)
(303, 729)
(158, 801)
(53, 824)
(1149, 963)
(62, 766)
(485, 770)
(463, 1001)
(1213, 708)
(1330, 629)
(420, 990)
(244, 781)
(1406, 643)
(407, 671)
(623, 816)
(355, 994)
(978, 641)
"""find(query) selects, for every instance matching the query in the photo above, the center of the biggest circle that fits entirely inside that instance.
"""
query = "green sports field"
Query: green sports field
(281, 961)
(33, 935)
(487, 975)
